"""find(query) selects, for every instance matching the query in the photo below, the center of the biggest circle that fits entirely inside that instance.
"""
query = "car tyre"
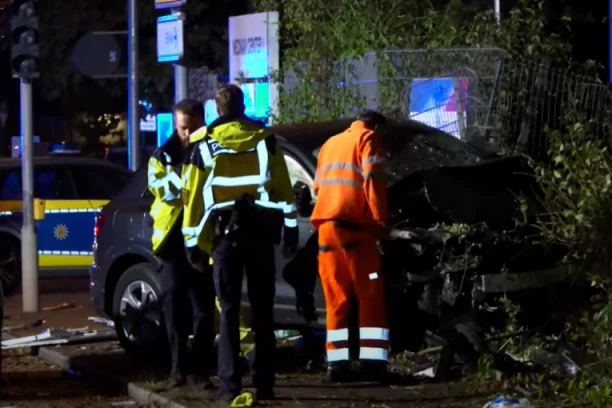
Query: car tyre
(137, 313)
(10, 264)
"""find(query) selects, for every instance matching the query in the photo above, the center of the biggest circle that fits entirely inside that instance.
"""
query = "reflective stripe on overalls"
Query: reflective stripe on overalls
(209, 201)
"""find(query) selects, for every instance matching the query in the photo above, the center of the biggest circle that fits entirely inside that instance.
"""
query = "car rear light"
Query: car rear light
(100, 220)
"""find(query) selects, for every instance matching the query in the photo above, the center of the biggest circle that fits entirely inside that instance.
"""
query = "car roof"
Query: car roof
(59, 160)
(309, 136)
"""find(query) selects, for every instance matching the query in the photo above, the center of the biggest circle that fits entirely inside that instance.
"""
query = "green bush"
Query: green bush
(577, 186)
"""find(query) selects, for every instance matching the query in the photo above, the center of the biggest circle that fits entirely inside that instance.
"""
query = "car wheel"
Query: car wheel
(10, 264)
(137, 312)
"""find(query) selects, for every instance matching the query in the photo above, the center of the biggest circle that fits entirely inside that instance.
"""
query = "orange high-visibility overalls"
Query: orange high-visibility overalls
(350, 209)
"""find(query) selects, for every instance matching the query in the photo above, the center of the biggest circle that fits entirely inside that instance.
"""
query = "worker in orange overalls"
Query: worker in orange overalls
(350, 215)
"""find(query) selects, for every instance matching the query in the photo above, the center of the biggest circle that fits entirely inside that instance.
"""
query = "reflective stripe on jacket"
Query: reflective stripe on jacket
(165, 184)
(350, 182)
(237, 156)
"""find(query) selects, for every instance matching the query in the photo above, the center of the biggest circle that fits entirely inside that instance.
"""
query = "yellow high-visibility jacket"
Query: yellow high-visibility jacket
(164, 183)
(236, 156)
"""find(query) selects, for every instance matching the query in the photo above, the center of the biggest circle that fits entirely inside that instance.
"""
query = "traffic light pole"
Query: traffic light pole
(29, 242)
(133, 117)
(180, 77)
(180, 83)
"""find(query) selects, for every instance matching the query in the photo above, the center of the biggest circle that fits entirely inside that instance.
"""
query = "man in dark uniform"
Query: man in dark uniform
(182, 285)
(238, 197)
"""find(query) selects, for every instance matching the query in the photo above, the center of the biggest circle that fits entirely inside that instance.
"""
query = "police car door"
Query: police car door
(64, 235)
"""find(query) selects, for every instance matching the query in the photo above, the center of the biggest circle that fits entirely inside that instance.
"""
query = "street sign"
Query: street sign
(169, 38)
(164, 4)
(96, 55)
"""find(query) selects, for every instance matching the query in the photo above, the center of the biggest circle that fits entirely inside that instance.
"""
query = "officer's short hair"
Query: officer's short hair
(190, 107)
(372, 119)
(230, 100)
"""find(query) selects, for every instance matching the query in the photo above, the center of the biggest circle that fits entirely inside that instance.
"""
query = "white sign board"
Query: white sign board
(169, 38)
(148, 124)
(253, 49)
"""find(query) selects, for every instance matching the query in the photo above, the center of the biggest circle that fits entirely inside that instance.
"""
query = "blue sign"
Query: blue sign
(169, 38)
(165, 127)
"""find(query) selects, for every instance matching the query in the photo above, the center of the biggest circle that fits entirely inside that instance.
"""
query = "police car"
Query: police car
(70, 191)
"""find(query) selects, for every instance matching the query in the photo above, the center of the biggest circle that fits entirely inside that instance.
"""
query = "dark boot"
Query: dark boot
(339, 372)
(177, 378)
(375, 371)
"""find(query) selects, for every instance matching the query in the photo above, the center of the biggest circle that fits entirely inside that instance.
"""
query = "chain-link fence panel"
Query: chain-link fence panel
(479, 95)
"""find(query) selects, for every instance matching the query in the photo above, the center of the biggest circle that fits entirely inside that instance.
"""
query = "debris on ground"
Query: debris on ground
(36, 323)
(103, 321)
(508, 402)
(61, 306)
(60, 337)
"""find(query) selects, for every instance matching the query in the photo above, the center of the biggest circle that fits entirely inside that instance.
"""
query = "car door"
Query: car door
(61, 235)
(285, 295)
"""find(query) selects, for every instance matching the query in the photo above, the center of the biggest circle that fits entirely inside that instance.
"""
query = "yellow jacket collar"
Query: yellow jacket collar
(198, 135)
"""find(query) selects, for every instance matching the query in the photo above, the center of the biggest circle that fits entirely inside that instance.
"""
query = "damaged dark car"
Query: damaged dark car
(458, 245)
(460, 240)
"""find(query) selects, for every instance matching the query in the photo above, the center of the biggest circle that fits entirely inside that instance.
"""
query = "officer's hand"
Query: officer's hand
(289, 250)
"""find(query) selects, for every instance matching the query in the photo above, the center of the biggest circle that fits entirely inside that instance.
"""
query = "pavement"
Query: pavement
(106, 363)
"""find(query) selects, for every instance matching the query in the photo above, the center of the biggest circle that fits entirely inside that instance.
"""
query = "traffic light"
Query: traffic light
(24, 38)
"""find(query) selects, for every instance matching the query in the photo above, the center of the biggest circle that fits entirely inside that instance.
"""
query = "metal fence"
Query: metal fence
(478, 94)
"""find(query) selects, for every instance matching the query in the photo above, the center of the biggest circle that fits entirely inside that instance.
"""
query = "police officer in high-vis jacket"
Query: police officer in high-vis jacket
(238, 197)
(182, 285)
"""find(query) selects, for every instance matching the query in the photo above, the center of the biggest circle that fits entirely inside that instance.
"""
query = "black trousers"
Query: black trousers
(230, 261)
(188, 299)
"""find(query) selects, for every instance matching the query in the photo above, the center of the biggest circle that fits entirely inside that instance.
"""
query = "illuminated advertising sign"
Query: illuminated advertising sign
(253, 52)
(433, 101)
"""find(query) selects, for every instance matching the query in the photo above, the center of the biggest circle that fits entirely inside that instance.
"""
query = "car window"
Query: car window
(98, 182)
(418, 149)
(53, 183)
(11, 185)
(50, 183)
(298, 173)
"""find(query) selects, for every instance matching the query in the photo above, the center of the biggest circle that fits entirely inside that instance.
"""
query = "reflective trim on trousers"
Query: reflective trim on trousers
(290, 223)
(337, 355)
(374, 333)
(337, 335)
(373, 353)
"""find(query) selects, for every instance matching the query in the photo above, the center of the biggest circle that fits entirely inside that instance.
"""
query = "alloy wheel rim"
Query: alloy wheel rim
(140, 313)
